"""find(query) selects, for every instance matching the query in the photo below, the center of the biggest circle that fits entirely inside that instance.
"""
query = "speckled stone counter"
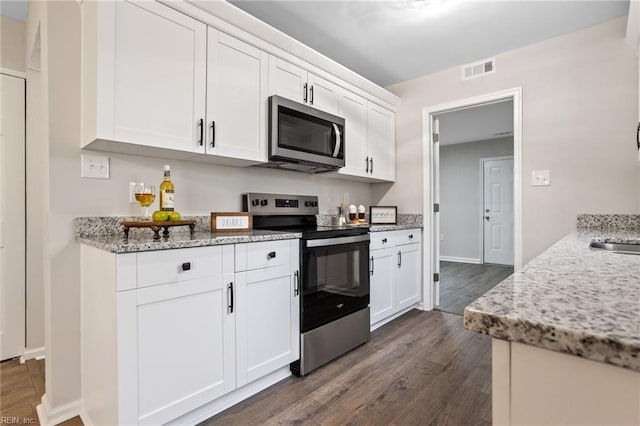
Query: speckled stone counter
(571, 299)
(405, 221)
(105, 233)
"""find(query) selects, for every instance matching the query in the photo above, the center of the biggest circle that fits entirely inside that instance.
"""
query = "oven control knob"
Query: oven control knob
(255, 202)
(314, 204)
(308, 203)
(264, 202)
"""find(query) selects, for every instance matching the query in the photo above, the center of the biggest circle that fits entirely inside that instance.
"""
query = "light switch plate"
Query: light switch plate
(541, 178)
(132, 193)
(95, 166)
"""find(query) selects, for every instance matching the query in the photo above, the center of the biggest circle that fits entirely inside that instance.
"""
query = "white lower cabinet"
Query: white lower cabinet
(396, 260)
(153, 351)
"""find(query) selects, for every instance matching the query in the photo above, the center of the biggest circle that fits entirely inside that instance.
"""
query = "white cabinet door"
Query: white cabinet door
(267, 321)
(237, 78)
(382, 142)
(323, 94)
(158, 57)
(407, 283)
(178, 344)
(354, 110)
(382, 284)
(287, 80)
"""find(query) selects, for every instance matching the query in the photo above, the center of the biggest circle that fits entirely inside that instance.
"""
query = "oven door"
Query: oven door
(335, 278)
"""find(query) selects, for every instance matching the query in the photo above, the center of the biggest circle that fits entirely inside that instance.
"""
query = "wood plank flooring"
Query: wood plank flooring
(21, 388)
(462, 283)
(421, 369)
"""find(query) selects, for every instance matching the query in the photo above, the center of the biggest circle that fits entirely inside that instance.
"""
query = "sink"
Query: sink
(625, 248)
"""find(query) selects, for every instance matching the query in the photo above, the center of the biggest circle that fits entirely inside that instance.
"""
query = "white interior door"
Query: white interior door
(498, 211)
(12, 217)
(435, 237)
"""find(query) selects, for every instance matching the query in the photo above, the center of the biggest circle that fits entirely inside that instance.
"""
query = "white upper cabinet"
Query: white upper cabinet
(353, 109)
(295, 83)
(237, 87)
(381, 136)
(149, 74)
(370, 139)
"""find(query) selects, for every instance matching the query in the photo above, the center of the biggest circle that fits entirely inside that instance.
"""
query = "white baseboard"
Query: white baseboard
(379, 324)
(48, 416)
(460, 259)
(219, 405)
(36, 353)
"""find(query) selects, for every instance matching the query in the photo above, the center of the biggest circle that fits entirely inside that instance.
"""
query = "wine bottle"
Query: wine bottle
(167, 191)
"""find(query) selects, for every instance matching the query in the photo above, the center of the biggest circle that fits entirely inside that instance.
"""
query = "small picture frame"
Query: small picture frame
(383, 215)
(231, 221)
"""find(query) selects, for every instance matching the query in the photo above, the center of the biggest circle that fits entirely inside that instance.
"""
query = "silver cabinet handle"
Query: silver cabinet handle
(366, 163)
(296, 283)
(230, 298)
(371, 169)
(399, 259)
(372, 263)
(311, 95)
(304, 96)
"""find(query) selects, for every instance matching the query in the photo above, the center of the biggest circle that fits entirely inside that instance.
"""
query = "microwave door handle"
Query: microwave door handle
(338, 140)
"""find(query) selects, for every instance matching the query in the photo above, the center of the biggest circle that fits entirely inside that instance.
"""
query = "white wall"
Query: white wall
(580, 111)
(460, 198)
(12, 42)
(200, 189)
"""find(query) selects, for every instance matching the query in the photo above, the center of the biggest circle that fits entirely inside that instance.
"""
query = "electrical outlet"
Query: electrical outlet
(132, 193)
(541, 178)
(95, 166)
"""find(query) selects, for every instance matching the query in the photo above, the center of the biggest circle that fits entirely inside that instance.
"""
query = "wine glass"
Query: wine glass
(145, 195)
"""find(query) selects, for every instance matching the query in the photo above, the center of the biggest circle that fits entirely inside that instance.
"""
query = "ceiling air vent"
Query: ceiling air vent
(478, 69)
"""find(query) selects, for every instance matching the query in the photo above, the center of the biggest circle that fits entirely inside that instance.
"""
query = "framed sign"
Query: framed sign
(231, 221)
(383, 215)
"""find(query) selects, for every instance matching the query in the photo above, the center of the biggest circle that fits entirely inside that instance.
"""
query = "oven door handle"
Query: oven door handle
(336, 150)
(337, 241)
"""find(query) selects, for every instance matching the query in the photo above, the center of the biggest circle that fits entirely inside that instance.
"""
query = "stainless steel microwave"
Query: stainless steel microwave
(303, 138)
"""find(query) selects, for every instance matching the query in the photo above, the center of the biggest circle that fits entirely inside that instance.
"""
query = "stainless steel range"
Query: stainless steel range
(334, 275)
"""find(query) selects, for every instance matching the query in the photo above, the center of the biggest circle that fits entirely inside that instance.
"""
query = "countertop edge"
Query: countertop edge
(137, 247)
(587, 345)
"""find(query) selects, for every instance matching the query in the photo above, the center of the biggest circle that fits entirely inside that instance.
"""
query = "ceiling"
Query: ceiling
(489, 121)
(388, 41)
(14, 9)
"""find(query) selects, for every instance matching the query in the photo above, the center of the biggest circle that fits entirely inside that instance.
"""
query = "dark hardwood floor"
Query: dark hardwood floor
(21, 388)
(421, 369)
(462, 283)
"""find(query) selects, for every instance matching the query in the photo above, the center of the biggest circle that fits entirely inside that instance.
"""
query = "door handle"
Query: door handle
(336, 129)
(399, 259)
(372, 263)
(230, 298)
(201, 125)
(366, 163)
(311, 95)
(304, 95)
(213, 134)
(371, 159)
(296, 283)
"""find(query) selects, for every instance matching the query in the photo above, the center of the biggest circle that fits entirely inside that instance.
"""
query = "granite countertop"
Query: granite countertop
(381, 228)
(570, 299)
(140, 242)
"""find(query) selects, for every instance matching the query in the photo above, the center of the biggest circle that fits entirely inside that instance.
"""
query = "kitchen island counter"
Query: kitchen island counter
(570, 299)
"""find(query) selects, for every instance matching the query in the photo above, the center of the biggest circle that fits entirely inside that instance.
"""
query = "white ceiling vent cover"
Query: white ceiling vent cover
(478, 69)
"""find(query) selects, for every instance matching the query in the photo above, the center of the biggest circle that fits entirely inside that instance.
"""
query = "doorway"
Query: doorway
(472, 249)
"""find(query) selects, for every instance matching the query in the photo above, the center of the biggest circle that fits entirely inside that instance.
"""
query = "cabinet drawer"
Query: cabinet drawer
(263, 255)
(407, 236)
(380, 240)
(168, 266)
